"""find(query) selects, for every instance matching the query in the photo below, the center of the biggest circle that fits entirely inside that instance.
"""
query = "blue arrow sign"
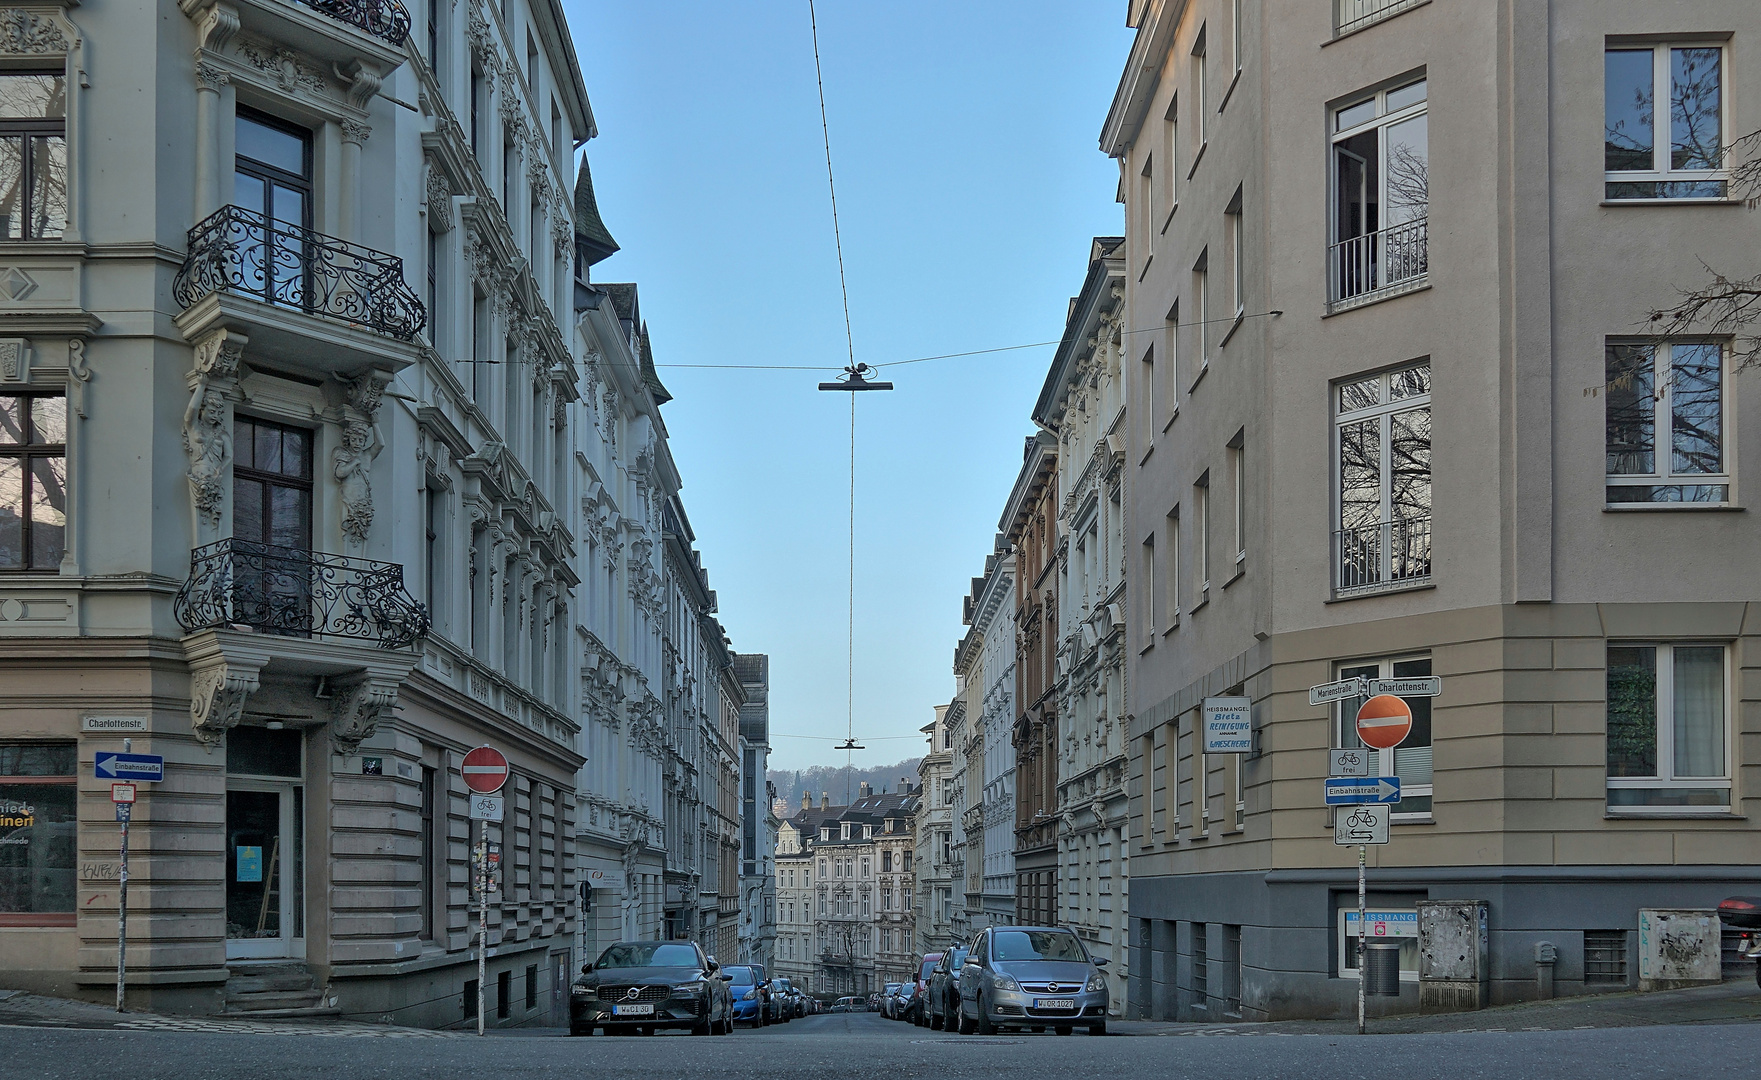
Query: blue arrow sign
(1342, 790)
(142, 767)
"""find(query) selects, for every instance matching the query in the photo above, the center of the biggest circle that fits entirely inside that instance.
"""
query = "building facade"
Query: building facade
(215, 332)
(1083, 403)
(1032, 531)
(933, 831)
(758, 826)
(1349, 459)
(984, 669)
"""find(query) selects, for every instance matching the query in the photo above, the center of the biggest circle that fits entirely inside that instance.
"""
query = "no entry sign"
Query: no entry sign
(485, 770)
(1384, 722)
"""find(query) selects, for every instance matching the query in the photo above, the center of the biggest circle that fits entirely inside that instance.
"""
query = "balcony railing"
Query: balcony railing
(240, 251)
(1389, 555)
(297, 593)
(1349, 15)
(387, 20)
(1384, 261)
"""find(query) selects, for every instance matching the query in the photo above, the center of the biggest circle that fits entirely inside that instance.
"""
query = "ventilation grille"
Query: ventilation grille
(1605, 962)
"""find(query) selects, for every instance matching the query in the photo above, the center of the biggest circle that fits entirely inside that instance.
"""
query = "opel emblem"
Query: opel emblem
(633, 992)
(1051, 988)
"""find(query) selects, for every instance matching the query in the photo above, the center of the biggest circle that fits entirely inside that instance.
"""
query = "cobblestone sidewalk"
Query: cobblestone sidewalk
(31, 1010)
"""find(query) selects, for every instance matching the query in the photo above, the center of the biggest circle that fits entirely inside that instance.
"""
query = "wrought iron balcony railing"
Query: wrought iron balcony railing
(1382, 556)
(1381, 261)
(297, 593)
(387, 20)
(241, 251)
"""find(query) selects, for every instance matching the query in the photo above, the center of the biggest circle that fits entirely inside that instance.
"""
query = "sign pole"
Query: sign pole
(482, 916)
(122, 899)
(1362, 985)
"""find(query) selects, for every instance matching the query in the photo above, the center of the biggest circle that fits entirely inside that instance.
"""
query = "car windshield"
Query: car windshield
(740, 976)
(1007, 945)
(648, 954)
(928, 966)
(957, 961)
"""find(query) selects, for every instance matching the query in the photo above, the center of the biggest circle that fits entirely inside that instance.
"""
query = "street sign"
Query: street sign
(1384, 722)
(486, 807)
(148, 768)
(1336, 691)
(122, 793)
(1228, 725)
(1348, 790)
(1366, 824)
(124, 811)
(1423, 686)
(1348, 762)
(484, 770)
(1383, 924)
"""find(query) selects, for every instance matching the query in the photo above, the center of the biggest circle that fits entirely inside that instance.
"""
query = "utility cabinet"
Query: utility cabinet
(1454, 970)
(1678, 947)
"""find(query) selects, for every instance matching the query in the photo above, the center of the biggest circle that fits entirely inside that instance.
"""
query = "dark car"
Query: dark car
(1031, 977)
(915, 1006)
(941, 1003)
(643, 985)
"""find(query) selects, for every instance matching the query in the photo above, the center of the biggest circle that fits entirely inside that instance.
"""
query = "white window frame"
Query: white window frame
(1173, 521)
(1240, 54)
(1147, 194)
(1666, 779)
(1237, 253)
(1149, 589)
(1171, 156)
(1383, 262)
(1661, 124)
(1662, 419)
(1147, 366)
(1384, 411)
(1384, 759)
(1201, 92)
(1201, 287)
(1202, 507)
(1238, 467)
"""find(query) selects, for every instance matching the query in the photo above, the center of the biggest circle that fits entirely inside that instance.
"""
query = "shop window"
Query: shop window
(38, 833)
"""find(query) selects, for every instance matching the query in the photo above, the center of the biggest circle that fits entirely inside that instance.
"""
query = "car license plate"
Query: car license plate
(645, 1009)
(1054, 1003)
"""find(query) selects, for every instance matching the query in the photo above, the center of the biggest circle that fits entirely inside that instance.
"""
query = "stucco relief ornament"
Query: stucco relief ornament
(217, 701)
(439, 195)
(12, 360)
(207, 439)
(209, 77)
(29, 32)
(289, 69)
(361, 443)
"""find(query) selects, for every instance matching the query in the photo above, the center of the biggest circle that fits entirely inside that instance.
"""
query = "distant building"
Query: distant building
(934, 828)
(758, 824)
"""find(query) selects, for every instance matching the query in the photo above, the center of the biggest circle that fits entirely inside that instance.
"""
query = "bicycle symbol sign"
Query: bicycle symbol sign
(1363, 824)
(1350, 762)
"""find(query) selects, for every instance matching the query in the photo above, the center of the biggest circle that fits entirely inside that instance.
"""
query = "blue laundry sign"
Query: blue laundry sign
(250, 863)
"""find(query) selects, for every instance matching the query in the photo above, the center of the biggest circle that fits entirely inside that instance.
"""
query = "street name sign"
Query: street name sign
(486, 807)
(1367, 824)
(148, 768)
(484, 770)
(1348, 762)
(1423, 686)
(1336, 691)
(1349, 790)
(1228, 725)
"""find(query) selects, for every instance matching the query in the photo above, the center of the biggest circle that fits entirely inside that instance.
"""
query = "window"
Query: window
(33, 155)
(1381, 194)
(1170, 155)
(1238, 485)
(1382, 445)
(1237, 255)
(1200, 106)
(1651, 154)
(38, 833)
(1201, 292)
(428, 883)
(1235, 35)
(1201, 501)
(1171, 576)
(272, 179)
(1678, 387)
(1411, 760)
(1170, 364)
(1668, 744)
(1149, 588)
(33, 481)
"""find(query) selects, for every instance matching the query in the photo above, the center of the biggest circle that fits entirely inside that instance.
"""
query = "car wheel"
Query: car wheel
(935, 1021)
(703, 1026)
(967, 1027)
(985, 1027)
(644, 1031)
(1098, 1029)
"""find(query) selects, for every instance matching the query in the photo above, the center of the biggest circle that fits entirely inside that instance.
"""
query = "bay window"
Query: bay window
(1668, 736)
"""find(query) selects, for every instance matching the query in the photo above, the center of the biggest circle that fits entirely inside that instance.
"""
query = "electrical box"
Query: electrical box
(1454, 967)
(1678, 948)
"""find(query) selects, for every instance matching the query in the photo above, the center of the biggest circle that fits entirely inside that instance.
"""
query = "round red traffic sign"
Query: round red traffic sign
(1384, 722)
(485, 770)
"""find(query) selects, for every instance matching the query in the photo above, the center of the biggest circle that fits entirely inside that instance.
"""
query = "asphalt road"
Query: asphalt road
(832, 1047)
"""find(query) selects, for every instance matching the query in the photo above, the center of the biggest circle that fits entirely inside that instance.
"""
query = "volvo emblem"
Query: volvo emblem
(633, 993)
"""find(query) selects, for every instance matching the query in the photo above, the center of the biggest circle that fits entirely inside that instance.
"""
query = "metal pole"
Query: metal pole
(122, 902)
(1361, 984)
(483, 915)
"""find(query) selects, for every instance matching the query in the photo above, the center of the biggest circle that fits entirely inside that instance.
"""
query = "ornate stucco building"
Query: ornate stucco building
(1031, 526)
(758, 824)
(984, 758)
(933, 830)
(1083, 403)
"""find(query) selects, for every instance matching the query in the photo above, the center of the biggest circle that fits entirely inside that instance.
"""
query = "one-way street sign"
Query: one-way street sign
(1345, 790)
(136, 767)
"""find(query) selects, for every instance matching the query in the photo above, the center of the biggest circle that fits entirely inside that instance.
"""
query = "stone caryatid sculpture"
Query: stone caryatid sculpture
(361, 443)
(207, 439)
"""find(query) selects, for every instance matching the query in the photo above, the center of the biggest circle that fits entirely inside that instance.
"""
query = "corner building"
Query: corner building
(1351, 453)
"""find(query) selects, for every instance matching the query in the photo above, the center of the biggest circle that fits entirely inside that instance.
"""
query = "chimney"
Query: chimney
(806, 801)
(825, 801)
(864, 792)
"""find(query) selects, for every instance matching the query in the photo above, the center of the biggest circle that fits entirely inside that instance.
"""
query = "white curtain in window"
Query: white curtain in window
(1699, 710)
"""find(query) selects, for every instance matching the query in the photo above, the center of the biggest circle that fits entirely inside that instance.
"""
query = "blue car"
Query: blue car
(751, 994)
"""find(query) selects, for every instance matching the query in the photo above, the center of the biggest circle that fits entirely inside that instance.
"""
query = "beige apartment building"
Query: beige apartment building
(1350, 454)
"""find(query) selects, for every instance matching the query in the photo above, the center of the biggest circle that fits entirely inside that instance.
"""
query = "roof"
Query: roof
(591, 235)
(1105, 260)
(650, 377)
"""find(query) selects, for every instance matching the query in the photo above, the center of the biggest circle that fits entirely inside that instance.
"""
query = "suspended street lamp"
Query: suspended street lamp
(856, 378)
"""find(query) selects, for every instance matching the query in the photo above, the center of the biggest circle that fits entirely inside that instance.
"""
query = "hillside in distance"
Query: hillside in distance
(835, 780)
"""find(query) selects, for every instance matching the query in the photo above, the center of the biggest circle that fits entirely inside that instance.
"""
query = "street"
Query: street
(829, 1047)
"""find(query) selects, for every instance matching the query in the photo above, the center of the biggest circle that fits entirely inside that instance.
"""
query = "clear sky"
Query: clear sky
(965, 145)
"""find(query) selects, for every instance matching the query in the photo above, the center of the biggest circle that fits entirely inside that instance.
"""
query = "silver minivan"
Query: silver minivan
(1031, 977)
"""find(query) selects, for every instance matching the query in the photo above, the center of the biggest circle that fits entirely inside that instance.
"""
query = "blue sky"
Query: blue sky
(964, 141)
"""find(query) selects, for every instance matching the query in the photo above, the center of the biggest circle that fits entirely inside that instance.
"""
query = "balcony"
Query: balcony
(1350, 16)
(387, 20)
(236, 584)
(1376, 265)
(1382, 557)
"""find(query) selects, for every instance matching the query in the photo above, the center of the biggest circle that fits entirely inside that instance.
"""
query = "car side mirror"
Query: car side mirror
(711, 965)
(1099, 961)
(586, 969)
(725, 977)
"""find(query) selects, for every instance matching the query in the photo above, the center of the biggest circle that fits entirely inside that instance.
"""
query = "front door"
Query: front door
(265, 865)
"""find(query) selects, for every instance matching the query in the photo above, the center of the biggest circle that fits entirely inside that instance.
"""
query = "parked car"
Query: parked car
(874, 1003)
(941, 1003)
(790, 1000)
(643, 985)
(751, 995)
(904, 1001)
(1031, 977)
(848, 1004)
(914, 1010)
(887, 994)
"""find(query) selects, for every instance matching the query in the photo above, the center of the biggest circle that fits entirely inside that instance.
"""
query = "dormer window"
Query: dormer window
(825, 832)
(845, 830)
(868, 832)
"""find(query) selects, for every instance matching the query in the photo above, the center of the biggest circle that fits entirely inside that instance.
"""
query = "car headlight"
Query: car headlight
(690, 989)
(1096, 984)
(750, 995)
(1004, 982)
(583, 991)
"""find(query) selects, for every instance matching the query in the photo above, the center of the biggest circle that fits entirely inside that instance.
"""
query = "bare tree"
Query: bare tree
(1725, 305)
